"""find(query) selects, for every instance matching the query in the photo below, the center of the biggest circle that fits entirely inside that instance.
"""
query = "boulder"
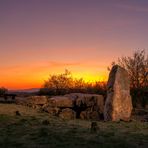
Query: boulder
(37, 100)
(61, 102)
(88, 100)
(100, 103)
(87, 114)
(53, 111)
(67, 114)
(73, 96)
(20, 101)
(118, 105)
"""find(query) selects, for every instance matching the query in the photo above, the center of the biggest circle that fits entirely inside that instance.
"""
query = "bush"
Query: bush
(137, 68)
(3, 91)
(139, 96)
(64, 83)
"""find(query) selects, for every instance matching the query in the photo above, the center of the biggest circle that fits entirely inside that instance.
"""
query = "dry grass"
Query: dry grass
(29, 131)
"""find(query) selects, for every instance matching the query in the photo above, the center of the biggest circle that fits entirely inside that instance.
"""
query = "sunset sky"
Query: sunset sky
(42, 37)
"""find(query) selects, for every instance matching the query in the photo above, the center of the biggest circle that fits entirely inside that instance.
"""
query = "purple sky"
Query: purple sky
(39, 37)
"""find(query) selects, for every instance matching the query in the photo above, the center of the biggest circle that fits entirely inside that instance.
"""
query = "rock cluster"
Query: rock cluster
(70, 106)
(33, 101)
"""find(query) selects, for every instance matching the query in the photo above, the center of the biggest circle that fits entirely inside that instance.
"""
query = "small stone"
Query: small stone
(45, 122)
(17, 113)
(94, 127)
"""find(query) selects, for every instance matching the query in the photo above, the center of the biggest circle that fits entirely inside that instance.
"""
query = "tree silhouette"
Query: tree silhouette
(3, 90)
(137, 68)
(59, 84)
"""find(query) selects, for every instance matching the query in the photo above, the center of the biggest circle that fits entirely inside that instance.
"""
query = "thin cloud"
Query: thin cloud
(40, 67)
(63, 64)
(76, 64)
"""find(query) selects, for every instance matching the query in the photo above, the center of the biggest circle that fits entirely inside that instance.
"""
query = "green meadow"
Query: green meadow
(35, 129)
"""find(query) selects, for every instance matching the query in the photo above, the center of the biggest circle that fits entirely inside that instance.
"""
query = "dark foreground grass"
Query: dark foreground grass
(29, 131)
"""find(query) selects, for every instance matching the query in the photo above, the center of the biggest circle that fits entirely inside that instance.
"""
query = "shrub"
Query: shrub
(64, 83)
(3, 91)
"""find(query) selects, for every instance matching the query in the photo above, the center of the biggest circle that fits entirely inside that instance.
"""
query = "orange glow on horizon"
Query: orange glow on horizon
(91, 78)
(34, 74)
(37, 81)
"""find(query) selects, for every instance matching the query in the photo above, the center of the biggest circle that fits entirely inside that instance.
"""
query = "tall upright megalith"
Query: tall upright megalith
(118, 105)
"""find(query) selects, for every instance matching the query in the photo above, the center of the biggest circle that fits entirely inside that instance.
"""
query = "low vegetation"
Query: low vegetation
(36, 129)
(3, 91)
(64, 83)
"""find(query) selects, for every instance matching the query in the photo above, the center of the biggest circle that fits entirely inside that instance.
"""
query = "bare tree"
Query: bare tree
(59, 82)
(137, 68)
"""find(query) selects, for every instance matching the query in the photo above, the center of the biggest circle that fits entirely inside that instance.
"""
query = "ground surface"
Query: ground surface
(31, 131)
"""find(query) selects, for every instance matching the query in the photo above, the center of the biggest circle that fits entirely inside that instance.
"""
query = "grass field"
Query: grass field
(31, 130)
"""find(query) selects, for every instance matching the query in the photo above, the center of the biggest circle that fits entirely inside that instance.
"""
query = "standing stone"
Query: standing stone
(118, 105)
